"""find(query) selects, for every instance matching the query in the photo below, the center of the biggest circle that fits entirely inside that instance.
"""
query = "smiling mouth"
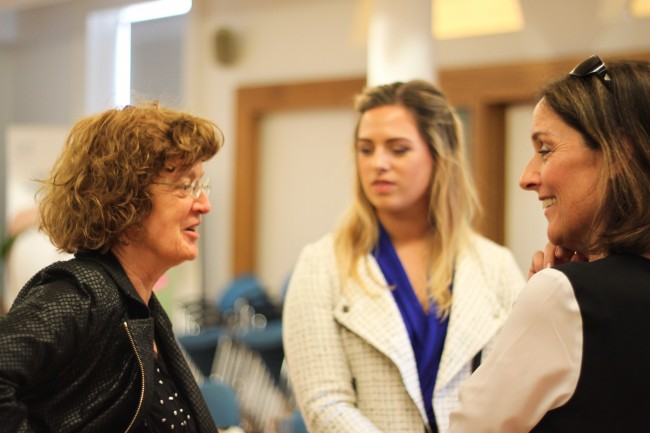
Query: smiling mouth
(548, 202)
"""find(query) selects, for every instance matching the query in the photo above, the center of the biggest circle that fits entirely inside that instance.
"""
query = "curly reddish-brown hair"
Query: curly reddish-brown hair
(97, 193)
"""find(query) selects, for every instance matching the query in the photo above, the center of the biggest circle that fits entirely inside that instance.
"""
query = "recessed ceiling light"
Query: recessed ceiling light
(465, 18)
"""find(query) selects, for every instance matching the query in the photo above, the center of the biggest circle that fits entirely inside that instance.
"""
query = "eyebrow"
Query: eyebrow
(389, 141)
(537, 134)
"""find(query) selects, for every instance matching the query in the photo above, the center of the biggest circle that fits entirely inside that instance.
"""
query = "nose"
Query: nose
(381, 159)
(530, 177)
(202, 204)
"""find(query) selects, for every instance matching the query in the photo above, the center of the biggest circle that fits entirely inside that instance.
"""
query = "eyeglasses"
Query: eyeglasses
(593, 65)
(195, 188)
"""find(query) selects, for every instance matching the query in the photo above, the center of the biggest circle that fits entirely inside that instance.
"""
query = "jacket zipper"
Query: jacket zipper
(137, 355)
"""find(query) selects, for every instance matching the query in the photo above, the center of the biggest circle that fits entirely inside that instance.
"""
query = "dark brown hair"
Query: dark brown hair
(616, 121)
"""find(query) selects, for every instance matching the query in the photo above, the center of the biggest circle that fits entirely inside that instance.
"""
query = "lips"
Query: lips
(193, 227)
(382, 185)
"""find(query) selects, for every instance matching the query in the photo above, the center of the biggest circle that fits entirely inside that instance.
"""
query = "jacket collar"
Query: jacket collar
(114, 269)
(475, 317)
(376, 319)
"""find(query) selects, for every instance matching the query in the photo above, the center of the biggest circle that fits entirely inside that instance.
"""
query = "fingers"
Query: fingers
(564, 255)
(579, 257)
(553, 255)
(537, 264)
(561, 255)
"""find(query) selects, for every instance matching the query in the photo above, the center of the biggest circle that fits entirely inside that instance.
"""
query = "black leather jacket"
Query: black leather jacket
(76, 353)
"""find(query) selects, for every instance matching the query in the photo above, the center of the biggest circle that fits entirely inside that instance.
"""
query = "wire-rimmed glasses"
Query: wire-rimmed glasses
(195, 189)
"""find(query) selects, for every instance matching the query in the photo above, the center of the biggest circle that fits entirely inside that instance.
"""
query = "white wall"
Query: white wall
(306, 181)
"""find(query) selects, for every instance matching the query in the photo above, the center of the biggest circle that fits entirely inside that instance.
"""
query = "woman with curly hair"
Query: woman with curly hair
(86, 346)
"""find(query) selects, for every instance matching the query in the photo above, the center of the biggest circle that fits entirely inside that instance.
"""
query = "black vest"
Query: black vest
(613, 390)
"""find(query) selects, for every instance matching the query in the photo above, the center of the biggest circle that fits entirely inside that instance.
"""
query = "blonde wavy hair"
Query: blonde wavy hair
(97, 192)
(453, 203)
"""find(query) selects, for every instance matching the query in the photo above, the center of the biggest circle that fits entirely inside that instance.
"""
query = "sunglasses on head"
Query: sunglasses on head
(593, 66)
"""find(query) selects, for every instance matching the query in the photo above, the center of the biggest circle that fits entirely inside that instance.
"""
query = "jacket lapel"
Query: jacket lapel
(376, 319)
(476, 316)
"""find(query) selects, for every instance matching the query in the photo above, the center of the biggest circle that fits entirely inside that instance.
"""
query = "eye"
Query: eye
(400, 150)
(544, 150)
(365, 148)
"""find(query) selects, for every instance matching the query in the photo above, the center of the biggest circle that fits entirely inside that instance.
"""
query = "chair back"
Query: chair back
(222, 403)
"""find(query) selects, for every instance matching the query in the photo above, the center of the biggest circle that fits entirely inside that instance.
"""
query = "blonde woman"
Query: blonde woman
(388, 315)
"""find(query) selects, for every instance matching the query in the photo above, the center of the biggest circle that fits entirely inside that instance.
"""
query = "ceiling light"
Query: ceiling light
(465, 18)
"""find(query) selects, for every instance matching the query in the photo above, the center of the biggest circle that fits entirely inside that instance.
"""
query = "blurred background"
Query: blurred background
(279, 76)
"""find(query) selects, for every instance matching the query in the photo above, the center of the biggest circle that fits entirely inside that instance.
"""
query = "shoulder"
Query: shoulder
(481, 244)
(60, 276)
(482, 252)
(320, 251)
(314, 282)
(547, 292)
(74, 283)
(491, 269)
(60, 296)
(620, 262)
(629, 273)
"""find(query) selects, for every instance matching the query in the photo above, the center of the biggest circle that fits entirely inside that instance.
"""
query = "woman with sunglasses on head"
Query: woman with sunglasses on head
(573, 356)
(86, 345)
(388, 315)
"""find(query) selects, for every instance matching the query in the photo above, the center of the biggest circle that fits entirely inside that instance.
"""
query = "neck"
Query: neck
(405, 229)
(142, 277)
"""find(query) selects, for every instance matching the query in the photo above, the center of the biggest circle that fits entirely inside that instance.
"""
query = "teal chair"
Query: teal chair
(222, 403)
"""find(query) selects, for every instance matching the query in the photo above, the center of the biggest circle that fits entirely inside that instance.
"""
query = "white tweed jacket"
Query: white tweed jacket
(349, 356)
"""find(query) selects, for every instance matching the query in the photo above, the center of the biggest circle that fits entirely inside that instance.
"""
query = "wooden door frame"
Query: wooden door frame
(486, 91)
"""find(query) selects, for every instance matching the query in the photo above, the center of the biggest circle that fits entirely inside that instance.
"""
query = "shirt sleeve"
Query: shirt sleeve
(534, 366)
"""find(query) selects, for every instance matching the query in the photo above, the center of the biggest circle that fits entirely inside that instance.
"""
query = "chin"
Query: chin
(190, 257)
(187, 257)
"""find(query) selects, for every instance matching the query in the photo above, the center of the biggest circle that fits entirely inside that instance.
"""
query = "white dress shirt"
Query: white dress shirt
(534, 366)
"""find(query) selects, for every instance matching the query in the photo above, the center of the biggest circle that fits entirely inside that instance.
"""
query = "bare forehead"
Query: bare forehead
(388, 119)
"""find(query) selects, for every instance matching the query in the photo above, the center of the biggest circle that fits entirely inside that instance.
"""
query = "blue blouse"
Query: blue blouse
(426, 331)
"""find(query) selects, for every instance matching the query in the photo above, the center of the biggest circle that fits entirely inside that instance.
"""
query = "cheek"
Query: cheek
(362, 168)
(555, 176)
(423, 173)
(163, 221)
